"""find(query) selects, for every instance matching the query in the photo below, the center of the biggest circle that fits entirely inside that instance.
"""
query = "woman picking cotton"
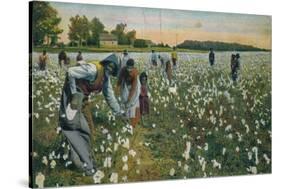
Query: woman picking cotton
(129, 86)
(75, 116)
(167, 67)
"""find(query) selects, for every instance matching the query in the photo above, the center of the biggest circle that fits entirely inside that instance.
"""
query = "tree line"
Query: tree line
(219, 46)
(82, 31)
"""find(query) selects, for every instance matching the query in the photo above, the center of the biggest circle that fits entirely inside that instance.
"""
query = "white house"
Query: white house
(108, 40)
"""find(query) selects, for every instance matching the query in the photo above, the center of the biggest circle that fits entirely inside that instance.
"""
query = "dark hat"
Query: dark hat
(143, 75)
(130, 63)
(237, 55)
(125, 51)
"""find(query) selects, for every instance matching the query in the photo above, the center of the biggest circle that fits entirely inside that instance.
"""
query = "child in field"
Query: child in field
(129, 86)
(144, 102)
(167, 67)
(43, 58)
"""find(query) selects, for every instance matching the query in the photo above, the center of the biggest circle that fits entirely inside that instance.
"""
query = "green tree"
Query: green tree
(79, 30)
(131, 36)
(119, 31)
(96, 28)
(44, 23)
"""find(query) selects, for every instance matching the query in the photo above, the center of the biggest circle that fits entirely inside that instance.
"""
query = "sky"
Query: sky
(174, 26)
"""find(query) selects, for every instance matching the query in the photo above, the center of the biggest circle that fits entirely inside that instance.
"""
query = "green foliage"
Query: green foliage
(140, 43)
(79, 29)
(44, 23)
(96, 28)
(219, 46)
(123, 37)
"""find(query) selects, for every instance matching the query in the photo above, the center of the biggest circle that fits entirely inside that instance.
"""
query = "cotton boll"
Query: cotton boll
(186, 168)
(125, 158)
(53, 164)
(132, 153)
(216, 164)
(266, 158)
(228, 128)
(47, 120)
(39, 180)
(252, 170)
(172, 172)
(107, 162)
(45, 160)
(206, 147)
(187, 150)
(114, 178)
(98, 176)
(125, 167)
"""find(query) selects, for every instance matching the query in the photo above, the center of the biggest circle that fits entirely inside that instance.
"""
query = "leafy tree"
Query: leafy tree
(119, 31)
(44, 23)
(123, 37)
(131, 36)
(79, 30)
(140, 43)
(96, 28)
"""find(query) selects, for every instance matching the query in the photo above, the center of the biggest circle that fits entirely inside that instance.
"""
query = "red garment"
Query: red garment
(144, 102)
(88, 87)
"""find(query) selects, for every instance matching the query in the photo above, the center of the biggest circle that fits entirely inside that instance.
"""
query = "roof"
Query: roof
(107, 37)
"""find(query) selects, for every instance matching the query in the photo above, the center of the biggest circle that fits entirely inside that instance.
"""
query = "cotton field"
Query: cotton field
(204, 125)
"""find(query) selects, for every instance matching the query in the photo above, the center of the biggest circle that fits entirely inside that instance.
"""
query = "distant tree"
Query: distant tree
(216, 45)
(44, 23)
(79, 30)
(119, 31)
(131, 36)
(96, 28)
(140, 43)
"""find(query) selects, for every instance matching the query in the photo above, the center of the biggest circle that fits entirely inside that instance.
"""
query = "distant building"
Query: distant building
(108, 40)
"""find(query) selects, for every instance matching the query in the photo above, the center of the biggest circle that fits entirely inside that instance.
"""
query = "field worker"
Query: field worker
(167, 67)
(144, 101)
(153, 58)
(62, 58)
(43, 58)
(75, 116)
(79, 56)
(174, 57)
(232, 67)
(211, 57)
(235, 66)
(125, 58)
(129, 86)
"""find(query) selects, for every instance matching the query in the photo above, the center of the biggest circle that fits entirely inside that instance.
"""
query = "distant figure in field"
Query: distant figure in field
(174, 57)
(166, 63)
(43, 58)
(211, 57)
(153, 58)
(129, 86)
(79, 57)
(144, 102)
(235, 66)
(125, 58)
(62, 58)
